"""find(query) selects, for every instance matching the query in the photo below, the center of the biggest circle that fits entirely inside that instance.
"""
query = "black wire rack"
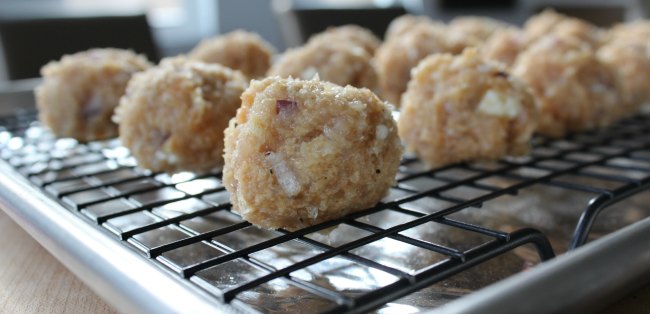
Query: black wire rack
(438, 235)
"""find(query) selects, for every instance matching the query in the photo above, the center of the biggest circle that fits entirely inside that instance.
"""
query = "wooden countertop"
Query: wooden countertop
(33, 281)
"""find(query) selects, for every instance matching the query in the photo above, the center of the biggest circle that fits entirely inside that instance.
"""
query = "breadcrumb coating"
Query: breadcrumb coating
(80, 92)
(339, 63)
(575, 90)
(173, 115)
(239, 50)
(462, 108)
(302, 152)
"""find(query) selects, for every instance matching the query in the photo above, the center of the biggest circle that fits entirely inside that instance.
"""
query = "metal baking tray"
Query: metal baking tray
(467, 238)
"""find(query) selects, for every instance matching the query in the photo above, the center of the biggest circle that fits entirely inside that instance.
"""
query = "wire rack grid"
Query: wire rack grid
(380, 258)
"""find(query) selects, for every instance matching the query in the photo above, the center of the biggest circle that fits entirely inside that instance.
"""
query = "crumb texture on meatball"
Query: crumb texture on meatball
(398, 55)
(472, 31)
(349, 34)
(404, 23)
(462, 108)
(542, 23)
(504, 45)
(173, 115)
(302, 152)
(549, 22)
(637, 31)
(80, 92)
(239, 50)
(576, 91)
(339, 63)
(630, 62)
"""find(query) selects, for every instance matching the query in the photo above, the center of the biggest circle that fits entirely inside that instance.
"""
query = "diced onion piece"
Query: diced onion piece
(498, 104)
(286, 178)
(285, 106)
(312, 212)
(381, 132)
(93, 107)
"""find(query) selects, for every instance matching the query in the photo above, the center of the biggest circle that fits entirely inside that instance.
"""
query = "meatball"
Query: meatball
(462, 108)
(352, 34)
(303, 152)
(551, 22)
(404, 23)
(637, 31)
(397, 56)
(239, 50)
(630, 61)
(580, 30)
(80, 92)
(504, 46)
(575, 91)
(341, 64)
(472, 31)
(542, 24)
(172, 116)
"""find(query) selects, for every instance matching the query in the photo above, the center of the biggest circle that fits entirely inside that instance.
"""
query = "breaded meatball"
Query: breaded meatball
(636, 31)
(404, 23)
(341, 64)
(79, 92)
(352, 34)
(580, 30)
(239, 50)
(462, 108)
(575, 91)
(542, 23)
(397, 56)
(550, 22)
(173, 115)
(504, 45)
(472, 31)
(630, 61)
(303, 152)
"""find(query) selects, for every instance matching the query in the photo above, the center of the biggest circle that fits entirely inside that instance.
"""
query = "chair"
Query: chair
(29, 42)
(299, 22)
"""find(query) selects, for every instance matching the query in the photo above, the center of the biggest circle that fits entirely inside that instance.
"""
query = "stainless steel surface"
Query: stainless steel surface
(127, 280)
(582, 281)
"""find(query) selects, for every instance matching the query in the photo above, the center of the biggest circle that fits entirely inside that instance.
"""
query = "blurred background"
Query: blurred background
(33, 32)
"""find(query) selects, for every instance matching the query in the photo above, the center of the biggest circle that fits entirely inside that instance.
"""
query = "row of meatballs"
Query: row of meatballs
(300, 148)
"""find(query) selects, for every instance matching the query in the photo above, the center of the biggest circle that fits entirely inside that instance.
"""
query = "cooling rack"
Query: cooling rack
(437, 236)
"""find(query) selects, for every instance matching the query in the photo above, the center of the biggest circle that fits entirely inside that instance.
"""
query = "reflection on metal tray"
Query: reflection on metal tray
(437, 236)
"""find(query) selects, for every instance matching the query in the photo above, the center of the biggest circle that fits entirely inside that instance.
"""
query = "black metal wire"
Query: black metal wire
(597, 205)
(575, 155)
(447, 269)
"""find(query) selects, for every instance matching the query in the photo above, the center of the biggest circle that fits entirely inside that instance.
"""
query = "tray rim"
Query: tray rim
(580, 281)
(85, 251)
